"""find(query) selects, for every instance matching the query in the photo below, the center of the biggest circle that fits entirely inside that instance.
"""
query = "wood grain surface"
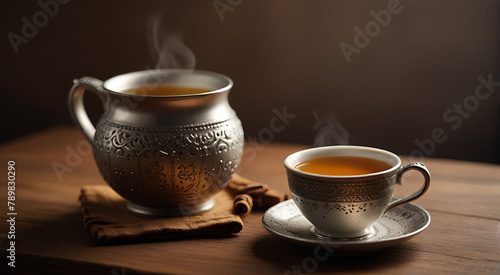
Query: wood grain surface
(463, 237)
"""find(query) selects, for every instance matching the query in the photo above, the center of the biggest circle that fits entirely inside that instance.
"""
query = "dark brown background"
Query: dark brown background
(279, 53)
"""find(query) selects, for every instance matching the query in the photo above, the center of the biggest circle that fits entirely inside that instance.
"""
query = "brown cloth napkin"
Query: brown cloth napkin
(105, 215)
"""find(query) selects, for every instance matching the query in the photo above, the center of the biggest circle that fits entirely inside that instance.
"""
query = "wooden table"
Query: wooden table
(463, 237)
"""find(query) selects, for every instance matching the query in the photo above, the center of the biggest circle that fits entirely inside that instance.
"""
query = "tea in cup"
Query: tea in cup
(344, 190)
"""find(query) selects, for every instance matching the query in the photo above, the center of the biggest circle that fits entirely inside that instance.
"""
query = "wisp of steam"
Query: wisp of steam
(328, 130)
(168, 48)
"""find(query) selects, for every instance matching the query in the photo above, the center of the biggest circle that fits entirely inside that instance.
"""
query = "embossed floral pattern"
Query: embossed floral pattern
(362, 191)
(345, 208)
(156, 173)
(192, 161)
(187, 173)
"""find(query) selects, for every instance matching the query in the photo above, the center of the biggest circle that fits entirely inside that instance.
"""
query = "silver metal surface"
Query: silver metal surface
(163, 152)
(395, 227)
(182, 210)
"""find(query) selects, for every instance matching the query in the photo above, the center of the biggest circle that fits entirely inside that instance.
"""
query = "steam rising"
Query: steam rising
(168, 48)
(328, 130)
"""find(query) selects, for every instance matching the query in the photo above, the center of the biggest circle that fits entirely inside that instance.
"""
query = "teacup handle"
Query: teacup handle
(427, 180)
(77, 108)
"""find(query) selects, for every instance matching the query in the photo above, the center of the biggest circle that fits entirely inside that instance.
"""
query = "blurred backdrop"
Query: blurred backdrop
(418, 78)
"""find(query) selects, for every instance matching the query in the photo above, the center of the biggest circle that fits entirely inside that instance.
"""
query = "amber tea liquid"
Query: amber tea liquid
(164, 90)
(342, 166)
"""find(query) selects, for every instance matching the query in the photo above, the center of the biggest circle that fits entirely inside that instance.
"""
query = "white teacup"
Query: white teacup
(346, 207)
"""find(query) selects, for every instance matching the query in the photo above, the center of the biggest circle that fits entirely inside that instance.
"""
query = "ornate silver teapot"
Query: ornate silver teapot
(166, 155)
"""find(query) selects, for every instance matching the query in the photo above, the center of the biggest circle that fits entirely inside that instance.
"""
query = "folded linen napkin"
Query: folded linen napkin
(104, 213)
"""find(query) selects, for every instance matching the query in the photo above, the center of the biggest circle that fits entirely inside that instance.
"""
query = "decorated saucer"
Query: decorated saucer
(396, 226)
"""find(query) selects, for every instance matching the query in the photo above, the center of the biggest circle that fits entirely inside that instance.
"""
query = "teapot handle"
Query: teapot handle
(77, 108)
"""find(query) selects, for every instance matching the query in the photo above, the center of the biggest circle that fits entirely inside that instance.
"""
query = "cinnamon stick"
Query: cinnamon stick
(261, 195)
(243, 204)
